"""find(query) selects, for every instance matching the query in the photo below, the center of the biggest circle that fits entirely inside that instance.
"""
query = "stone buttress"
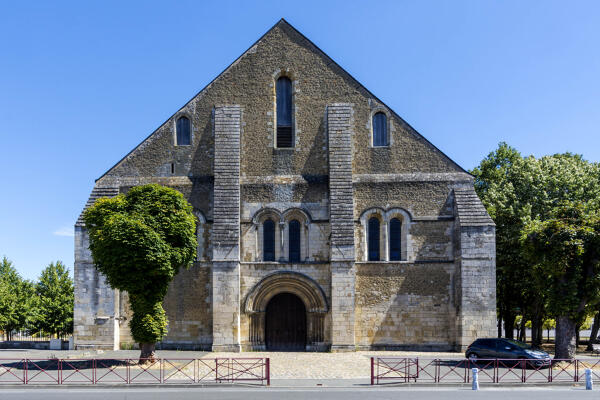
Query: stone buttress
(96, 311)
(226, 229)
(341, 209)
(475, 257)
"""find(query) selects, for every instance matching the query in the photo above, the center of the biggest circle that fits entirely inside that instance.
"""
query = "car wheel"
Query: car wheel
(473, 357)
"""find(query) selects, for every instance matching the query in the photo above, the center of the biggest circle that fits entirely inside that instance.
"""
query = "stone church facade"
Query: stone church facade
(325, 222)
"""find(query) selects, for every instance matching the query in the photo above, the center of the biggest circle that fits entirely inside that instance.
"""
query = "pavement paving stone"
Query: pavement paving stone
(284, 365)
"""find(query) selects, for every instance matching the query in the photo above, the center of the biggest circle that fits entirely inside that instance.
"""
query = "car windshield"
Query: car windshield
(520, 345)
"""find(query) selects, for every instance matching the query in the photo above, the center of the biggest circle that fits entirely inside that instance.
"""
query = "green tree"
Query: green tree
(139, 240)
(515, 191)
(495, 180)
(16, 300)
(54, 301)
(565, 252)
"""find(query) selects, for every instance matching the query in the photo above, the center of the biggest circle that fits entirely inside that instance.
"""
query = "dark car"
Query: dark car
(507, 349)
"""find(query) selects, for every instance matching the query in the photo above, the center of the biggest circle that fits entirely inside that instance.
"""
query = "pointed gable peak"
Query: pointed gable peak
(283, 28)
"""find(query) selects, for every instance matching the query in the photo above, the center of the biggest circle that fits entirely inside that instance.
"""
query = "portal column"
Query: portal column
(340, 127)
(226, 229)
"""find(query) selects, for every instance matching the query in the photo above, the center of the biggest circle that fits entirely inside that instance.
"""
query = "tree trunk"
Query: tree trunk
(522, 333)
(509, 325)
(147, 354)
(564, 341)
(536, 332)
(577, 337)
(594, 333)
(500, 325)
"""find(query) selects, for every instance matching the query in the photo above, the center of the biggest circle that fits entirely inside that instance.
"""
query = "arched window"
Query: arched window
(283, 89)
(373, 242)
(199, 246)
(294, 241)
(200, 240)
(184, 130)
(269, 240)
(395, 239)
(380, 134)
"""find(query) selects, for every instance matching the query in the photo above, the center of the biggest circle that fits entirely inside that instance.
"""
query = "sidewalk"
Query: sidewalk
(284, 365)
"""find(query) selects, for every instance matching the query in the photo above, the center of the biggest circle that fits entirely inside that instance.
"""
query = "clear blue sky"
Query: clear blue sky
(82, 83)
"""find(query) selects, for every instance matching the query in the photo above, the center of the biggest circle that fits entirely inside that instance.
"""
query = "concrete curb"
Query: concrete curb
(312, 384)
(128, 386)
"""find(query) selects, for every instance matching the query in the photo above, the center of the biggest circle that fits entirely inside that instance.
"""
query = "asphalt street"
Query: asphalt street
(293, 394)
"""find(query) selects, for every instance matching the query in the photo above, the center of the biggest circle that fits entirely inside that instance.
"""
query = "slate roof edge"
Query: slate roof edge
(469, 208)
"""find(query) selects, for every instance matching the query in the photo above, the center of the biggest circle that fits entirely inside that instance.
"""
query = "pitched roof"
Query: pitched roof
(470, 209)
(97, 192)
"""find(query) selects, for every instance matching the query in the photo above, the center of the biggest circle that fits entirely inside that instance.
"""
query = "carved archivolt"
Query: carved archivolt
(286, 282)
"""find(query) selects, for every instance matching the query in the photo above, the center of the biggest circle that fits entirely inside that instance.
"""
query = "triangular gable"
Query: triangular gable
(282, 23)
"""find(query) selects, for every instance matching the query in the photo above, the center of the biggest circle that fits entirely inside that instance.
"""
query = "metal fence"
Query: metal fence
(24, 336)
(130, 371)
(419, 370)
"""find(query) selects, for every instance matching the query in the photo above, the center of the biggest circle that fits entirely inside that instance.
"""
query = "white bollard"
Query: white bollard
(589, 384)
(475, 378)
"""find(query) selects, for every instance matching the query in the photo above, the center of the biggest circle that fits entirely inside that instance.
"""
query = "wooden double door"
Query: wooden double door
(285, 323)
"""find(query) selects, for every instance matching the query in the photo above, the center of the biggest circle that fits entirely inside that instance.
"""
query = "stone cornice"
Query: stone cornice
(413, 177)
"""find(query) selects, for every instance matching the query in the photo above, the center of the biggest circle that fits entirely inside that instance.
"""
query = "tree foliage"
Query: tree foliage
(139, 240)
(16, 299)
(565, 252)
(54, 301)
(517, 191)
(499, 183)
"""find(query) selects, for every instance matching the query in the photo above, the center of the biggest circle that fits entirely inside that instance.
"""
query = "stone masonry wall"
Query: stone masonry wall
(432, 240)
(405, 306)
(249, 82)
(419, 199)
(94, 310)
(477, 307)
(188, 305)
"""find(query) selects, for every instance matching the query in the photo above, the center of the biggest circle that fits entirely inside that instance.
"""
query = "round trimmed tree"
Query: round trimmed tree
(139, 240)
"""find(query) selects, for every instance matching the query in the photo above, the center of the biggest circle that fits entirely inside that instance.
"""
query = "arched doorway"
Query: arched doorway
(312, 303)
(285, 323)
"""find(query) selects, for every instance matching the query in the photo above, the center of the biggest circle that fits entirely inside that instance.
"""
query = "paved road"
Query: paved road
(293, 394)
